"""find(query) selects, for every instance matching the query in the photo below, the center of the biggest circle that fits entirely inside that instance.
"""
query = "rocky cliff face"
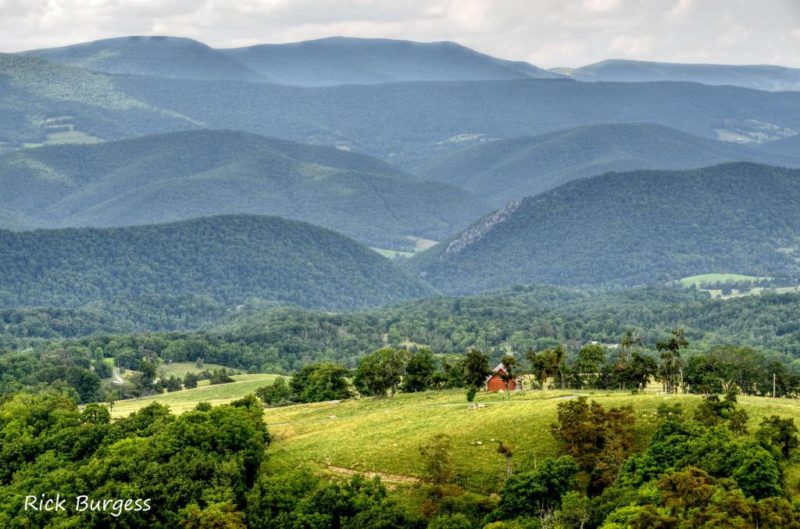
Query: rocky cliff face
(475, 232)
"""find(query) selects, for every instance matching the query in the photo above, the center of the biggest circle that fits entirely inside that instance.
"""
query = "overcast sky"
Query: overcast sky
(544, 32)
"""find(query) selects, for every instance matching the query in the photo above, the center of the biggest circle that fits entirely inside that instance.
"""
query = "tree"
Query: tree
(589, 364)
(190, 380)
(320, 382)
(598, 440)
(419, 371)
(778, 433)
(220, 376)
(536, 492)
(436, 458)
(509, 365)
(476, 368)
(380, 372)
(276, 393)
(507, 452)
(671, 367)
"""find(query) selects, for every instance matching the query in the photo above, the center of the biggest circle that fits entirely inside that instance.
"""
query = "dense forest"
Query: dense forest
(634, 228)
(231, 259)
(510, 321)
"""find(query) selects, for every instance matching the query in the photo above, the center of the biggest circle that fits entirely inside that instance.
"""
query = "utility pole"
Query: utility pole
(773, 385)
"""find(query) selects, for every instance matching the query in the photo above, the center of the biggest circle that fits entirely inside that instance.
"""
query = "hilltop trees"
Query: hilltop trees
(671, 366)
(381, 372)
(476, 368)
(313, 383)
(420, 371)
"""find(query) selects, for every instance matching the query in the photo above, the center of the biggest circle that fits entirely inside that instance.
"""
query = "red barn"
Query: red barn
(495, 382)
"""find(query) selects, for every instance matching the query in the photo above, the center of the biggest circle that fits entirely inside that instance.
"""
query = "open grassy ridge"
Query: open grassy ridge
(382, 436)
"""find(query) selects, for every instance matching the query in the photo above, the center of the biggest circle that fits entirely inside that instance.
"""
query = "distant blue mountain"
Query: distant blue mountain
(160, 56)
(324, 62)
(759, 77)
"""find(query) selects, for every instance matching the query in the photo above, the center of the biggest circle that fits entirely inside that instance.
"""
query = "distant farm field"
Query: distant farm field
(185, 400)
(706, 279)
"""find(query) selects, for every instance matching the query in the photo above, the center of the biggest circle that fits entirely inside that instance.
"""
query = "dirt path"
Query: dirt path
(116, 376)
(391, 478)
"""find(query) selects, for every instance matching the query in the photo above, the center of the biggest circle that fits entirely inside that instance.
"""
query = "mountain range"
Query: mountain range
(758, 77)
(504, 170)
(176, 176)
(324, 62)
(231, 259)
(622, 229)
(407, 124)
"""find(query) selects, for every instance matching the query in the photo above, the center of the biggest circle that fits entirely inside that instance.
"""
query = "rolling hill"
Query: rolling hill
(40, 99)
(182, 175)
(408, 124)
(503, 170)
(174, 57)
(323, 62)
(759, 77)
(230, 258)
(630, 228)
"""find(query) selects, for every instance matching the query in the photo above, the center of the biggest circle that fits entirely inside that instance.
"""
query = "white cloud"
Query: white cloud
(547, 32)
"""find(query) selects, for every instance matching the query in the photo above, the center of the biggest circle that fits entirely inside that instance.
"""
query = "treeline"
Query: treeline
(81, 368)
(386, 371)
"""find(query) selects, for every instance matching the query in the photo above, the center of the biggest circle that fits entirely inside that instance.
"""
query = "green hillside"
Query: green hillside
(230, 259)
(630, 228)
(182, 175)
(39, 99)
(504, 170)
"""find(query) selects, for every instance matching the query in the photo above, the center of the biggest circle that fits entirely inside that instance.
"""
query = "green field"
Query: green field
(383, 436)
(181, 401)
(704, 279)
(179, 369)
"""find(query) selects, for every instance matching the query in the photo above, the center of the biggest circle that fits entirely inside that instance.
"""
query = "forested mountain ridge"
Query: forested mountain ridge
(322, 62)
(427, 119)
(189, 174)
(756, 76)
(630, 228)
(41, 101)
(230, 259)
(503, 170)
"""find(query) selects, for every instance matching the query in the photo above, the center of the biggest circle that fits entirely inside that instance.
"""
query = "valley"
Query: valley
(381, 283)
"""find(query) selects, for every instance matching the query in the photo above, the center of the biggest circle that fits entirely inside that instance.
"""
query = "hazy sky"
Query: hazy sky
(544, 32)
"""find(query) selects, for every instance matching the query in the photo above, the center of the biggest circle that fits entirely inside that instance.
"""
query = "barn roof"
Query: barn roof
(500, 367)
